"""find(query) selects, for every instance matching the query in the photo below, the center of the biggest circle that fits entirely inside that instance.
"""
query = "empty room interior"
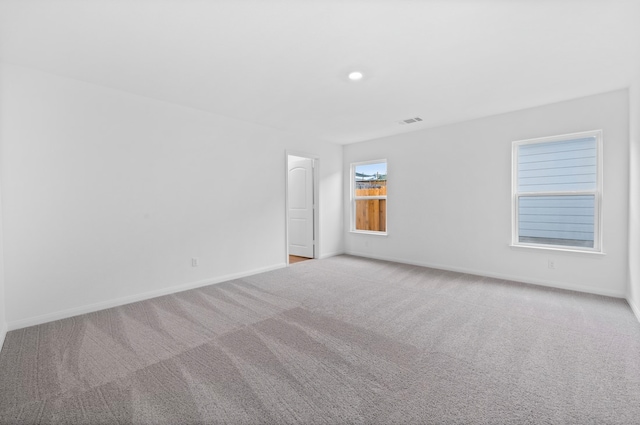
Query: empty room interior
(296, 211)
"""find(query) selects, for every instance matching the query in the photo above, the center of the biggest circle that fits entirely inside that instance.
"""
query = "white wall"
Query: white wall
(449, 201)
(3, 309)
(3, 316)
(107, 196)
(633, 295)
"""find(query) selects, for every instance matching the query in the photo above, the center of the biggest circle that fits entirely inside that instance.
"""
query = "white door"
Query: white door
(301, 206)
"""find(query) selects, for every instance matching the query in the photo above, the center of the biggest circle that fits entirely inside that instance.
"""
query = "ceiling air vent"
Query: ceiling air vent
(410, 120)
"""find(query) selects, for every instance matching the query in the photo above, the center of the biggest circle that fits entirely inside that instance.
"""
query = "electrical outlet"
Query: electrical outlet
(551, 264)
(195, 262)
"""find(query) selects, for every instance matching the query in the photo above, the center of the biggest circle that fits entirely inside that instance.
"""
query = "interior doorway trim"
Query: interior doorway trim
(316, 200)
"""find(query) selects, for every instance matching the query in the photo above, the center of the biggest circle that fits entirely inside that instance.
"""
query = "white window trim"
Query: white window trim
(355, 198)
(597, 241)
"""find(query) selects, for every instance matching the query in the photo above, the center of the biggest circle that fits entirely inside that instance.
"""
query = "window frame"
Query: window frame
(355, 198)
(597, 193)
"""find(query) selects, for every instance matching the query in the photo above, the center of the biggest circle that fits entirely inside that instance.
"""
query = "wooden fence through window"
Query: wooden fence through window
(371, 214)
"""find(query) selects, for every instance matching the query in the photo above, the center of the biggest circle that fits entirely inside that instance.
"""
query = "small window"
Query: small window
(369, 197)
(557, 190)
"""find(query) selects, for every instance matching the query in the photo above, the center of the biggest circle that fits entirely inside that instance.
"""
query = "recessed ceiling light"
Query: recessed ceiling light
(355, 76)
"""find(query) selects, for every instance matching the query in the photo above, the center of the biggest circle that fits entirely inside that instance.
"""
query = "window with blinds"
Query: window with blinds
(557, 191)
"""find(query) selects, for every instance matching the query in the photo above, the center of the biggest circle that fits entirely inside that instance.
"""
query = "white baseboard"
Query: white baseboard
(634, 308)
(330, 254)
(3, 334)
(540, 282)
(63, 314)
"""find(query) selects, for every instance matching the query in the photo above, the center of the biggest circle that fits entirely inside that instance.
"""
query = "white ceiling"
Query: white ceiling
(284, 63)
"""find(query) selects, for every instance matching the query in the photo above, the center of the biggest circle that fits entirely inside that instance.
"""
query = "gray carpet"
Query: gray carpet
(341, 340)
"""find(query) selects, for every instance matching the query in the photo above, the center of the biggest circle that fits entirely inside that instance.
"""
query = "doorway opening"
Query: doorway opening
(301, 207)
(296, 259)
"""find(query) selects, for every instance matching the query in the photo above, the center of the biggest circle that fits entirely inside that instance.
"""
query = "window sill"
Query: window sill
(553, 248)
(365, 232)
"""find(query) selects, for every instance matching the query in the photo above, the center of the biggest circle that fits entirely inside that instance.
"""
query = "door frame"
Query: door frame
(316, 201)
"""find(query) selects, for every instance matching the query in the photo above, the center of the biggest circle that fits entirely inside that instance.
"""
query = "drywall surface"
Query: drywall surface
(634, 198)
(108, 196)
(3, 303)
(449, 196)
